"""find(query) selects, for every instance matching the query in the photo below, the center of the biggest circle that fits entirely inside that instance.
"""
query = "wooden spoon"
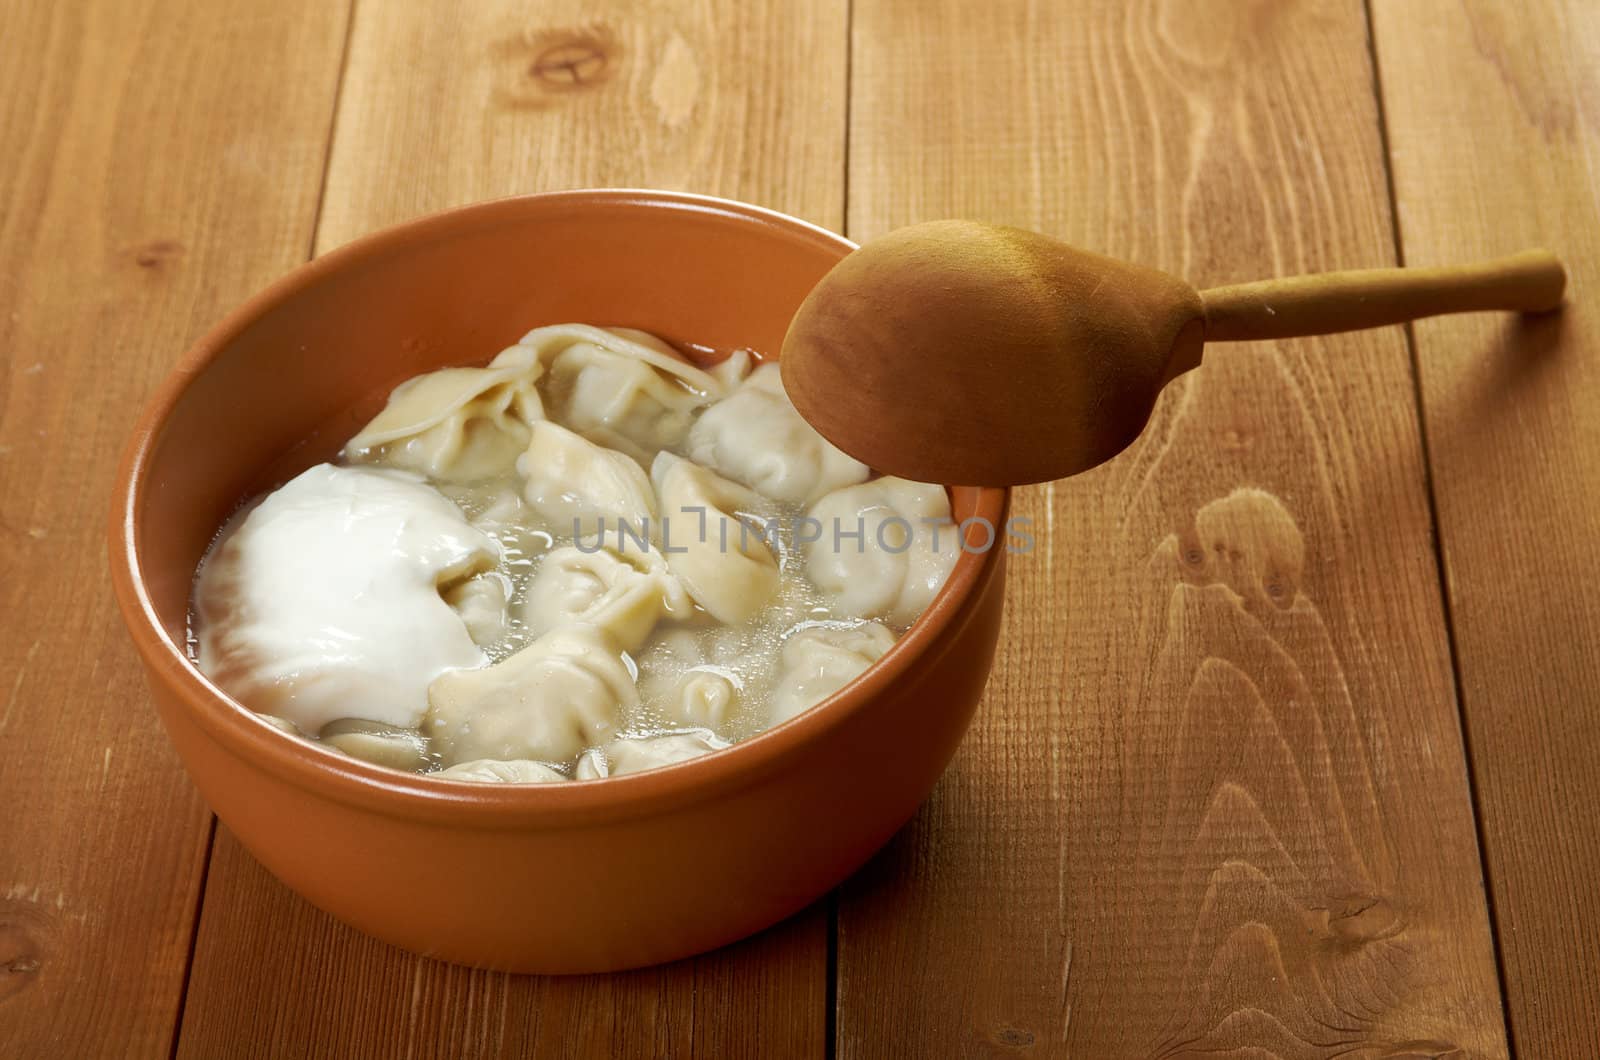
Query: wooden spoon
(960, 352)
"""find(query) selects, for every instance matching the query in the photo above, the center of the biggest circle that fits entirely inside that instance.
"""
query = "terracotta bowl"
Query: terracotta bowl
(577, 877)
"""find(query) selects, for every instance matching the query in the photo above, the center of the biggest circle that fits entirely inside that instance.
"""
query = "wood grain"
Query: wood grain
(443, 105)
(1507, 158)
(277, 978)
(1216, 800)
(449, 104)
(158, 162)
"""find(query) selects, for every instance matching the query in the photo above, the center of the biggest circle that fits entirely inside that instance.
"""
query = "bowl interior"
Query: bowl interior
(293, 373)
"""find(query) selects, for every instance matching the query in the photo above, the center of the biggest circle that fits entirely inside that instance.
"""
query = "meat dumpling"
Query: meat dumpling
(548, 344)
(612, 582)
(704, 695)
(581, 488)
(623, 404)
(819, 660)
(699, 677)
(481, 603)
(493, 771)
(756, 438)
(637, 754)
(382, 745)
(731, 371)
(631, 393)
(547, 702)
(456, 424)
(722, 559)
(902, 556)
(281, 724)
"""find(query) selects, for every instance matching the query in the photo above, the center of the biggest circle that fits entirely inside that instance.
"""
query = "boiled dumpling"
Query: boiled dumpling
(704, 695)
(456, 424)
(820, 660)
(493, 771)
(481, 603)
(547, 702)
(731, 370)
(902, 556)
(281, 724)
(623, 404)
(637, 754)
(591, 765)
(382, 745)
(613, 582)
(756, 438)
(610, 394)
(683, 680)
(722, 560)
(324, 602)
(626, 389)
(581, 488)
(548, 344)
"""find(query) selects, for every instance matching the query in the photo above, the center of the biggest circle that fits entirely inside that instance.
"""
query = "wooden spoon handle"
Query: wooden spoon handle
(1531, 281)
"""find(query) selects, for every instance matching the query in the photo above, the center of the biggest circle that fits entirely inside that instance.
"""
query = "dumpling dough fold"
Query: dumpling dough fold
(756, 438)
(492, 771)
(610, 581)
(581, 488)
(547, 702)
(722, 559)
(885, 548)
(820, 660)
(481, 603)
(630, 392)
(548, 344)
(456, 424)
(636, 754)
(700, 677)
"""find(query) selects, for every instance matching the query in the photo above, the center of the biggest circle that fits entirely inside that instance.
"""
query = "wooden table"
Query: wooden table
(1292, 745)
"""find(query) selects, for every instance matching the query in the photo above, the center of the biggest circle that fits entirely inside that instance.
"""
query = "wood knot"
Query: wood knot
(1356, 919)
(536, 68)
(1015, 1037)
(1248, 542)
(1234, 441)
(20, 959)
(156, 253)
(569, 65)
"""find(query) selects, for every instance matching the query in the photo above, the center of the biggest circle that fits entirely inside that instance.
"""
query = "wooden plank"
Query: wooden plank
(158, 161)
(442, 105)
(312, 987)
(1216, 800)
(1494, 125)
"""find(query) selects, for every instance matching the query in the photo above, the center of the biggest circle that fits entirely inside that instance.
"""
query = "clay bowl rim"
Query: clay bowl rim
(327, 773)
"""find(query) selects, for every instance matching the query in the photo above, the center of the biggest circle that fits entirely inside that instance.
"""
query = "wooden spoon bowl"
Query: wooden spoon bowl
(955, 351)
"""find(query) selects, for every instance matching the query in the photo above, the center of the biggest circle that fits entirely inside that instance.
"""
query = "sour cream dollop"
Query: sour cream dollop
(323, 603)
